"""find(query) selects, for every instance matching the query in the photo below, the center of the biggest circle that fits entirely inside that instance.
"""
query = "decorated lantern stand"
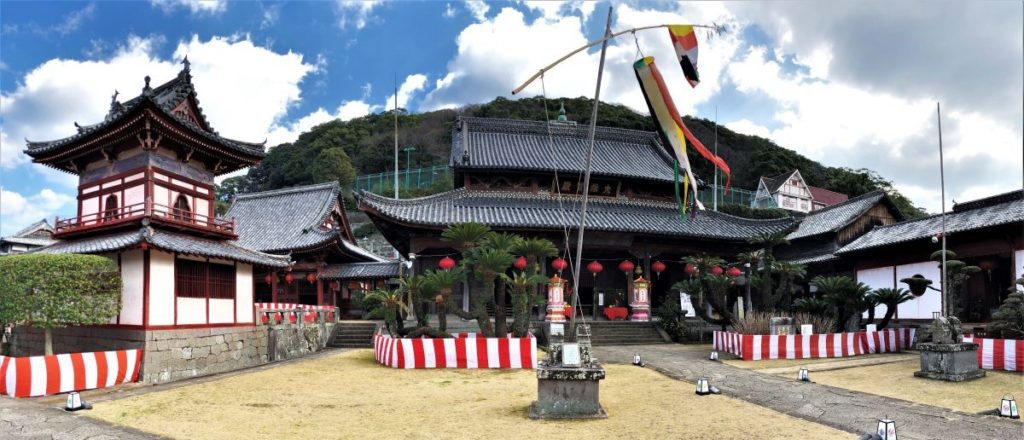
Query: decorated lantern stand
(641, 303)
(556, 301)
(1008, 407)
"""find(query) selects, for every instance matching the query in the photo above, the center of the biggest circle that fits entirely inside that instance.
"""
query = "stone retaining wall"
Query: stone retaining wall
(171, 355)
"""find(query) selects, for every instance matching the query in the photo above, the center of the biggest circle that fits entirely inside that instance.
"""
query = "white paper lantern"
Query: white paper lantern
(1008, 407)
(713, 356)
(703, 388)
(637, 360)
(803, 375)
(887, 429)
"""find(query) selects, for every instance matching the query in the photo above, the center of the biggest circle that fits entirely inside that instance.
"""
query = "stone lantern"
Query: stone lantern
(641, 302)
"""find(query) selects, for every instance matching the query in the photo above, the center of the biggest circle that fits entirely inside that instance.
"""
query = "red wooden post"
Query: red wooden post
(273, 287)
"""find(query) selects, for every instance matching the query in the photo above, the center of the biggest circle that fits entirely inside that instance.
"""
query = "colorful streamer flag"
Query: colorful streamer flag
(684, 40)
(671, 127)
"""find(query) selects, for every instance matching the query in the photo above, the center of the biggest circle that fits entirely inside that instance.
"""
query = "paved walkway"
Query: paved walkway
(26, 419)
(847, 410)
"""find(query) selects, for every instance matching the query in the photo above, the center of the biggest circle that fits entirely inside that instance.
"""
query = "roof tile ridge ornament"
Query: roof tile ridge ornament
(147, 91)
(849, 201)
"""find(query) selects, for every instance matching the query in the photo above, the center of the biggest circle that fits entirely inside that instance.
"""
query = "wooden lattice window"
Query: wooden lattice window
(222, 281)
(110, 208)
(189, 278)
(181, 210)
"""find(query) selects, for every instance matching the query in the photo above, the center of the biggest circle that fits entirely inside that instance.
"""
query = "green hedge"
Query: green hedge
(58, 290)
(752, 213)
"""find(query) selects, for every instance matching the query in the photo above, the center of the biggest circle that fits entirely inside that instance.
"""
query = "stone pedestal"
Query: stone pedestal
(956, 362)
(568, 392)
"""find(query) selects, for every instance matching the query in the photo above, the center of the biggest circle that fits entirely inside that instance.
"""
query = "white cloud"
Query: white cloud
(18, 211)
(412, 84)
(449, 11)
(240, 102)
(747, 126)
(478, 8)
(196, 7)
(355, 13)
(270, 15)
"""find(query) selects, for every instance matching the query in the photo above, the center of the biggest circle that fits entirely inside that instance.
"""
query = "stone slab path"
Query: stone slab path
(847, 410)
(27, 419)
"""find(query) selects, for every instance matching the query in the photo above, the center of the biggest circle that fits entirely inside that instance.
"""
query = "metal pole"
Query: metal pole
(396, 136)
(571, 331)
(942, 182)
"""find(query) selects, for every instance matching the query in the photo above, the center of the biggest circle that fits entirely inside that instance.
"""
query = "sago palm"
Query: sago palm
(891, 298)
(391, 304)
(487, 265)
(443, 282)
(466, 236)
(413, 289)
(521, 285)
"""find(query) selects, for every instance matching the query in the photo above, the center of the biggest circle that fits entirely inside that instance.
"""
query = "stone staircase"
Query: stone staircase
(624, 333)
(353, 334)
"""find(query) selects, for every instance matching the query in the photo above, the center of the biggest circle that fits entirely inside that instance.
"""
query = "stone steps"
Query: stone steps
(356, 334)
(624, 333)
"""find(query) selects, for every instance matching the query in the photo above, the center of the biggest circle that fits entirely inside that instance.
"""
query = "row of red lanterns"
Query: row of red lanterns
(595, 267)
(288, 278)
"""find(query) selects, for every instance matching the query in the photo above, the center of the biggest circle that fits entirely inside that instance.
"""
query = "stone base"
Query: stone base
(568, 392)
(950, 362)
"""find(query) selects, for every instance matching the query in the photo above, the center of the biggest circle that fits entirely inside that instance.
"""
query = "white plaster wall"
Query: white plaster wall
(1018, 262)
(161, 288)
(222, 311)
(876, 279)
(192, 311)
(243, 292)
(931, 301)
(132, 287)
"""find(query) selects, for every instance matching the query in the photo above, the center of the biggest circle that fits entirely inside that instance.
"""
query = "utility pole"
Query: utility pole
(942, 182)
(396, 136)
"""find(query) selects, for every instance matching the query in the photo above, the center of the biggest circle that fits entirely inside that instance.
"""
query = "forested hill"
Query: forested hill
(340, 150)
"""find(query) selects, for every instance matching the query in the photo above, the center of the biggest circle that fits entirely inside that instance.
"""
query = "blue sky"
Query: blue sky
(848, 84)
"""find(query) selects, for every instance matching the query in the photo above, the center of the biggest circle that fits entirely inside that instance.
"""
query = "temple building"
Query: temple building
(524, 177)
(308, 225)
(32, 237)
(146, 199)
(988, 233)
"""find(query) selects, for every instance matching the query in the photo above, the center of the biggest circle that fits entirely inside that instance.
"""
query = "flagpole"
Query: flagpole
(604, 42)
(571, 331)
(942, 183)
(396, 136)
(715, 169)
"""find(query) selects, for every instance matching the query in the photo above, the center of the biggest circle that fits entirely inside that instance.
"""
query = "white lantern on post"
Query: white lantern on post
(886, 429)
(1008, 407)
(702, 387)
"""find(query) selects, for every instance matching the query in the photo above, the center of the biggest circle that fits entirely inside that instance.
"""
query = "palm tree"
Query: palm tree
(505, 242)
(487, 265)
(750, 260)
(534, 249)
(788, 272)
(520, 285)
(847, 298)
(466, 236)
(891, 298)
(768, 242)
(412, 287)
(443, 282)
(391, 304)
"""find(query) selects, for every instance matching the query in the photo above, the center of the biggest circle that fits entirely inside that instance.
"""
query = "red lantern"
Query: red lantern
(311, 277)
(595, 268)
(335, 285)
(987, 265)
(446, 263)
(658, 267)
(717, 270)
(734, 272)
(559, 264)
(626, 266)
(690, 269)
(520, 263)
(268, 278)
(289, 278)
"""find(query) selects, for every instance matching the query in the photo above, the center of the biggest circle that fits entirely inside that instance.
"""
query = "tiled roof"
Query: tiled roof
(539, 211)
(835, 217)
(507, 144)
(167, 241)
(1002, 209)
(165, 97)
(807, 252)
(826, 197)
(774, 183)
(355, 271)
(285, 220)
(41, 224)
(31, 241)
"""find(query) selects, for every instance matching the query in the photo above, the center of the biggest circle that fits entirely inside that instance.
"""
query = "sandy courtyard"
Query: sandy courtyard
(347, 395)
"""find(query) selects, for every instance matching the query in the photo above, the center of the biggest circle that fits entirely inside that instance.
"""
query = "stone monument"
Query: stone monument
(947, 357)
(782, 325)
(568, 379)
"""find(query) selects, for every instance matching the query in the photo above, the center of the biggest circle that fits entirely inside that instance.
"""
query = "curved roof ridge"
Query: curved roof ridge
(527, 126)
(286, 191)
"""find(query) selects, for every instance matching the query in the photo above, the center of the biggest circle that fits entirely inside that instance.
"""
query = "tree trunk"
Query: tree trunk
(48, 340)
(890, 311)
(749, 303)
(442, 316)
(500, 320)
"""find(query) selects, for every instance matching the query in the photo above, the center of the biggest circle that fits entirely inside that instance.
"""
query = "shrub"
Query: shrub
(754, 323)
(50, 291)
(1008, 321)
(669, 318)
(821, 323)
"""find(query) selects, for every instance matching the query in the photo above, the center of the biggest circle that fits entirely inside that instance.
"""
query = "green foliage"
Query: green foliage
(364, 230)
(890, 298)
(847, 297)
(50, 291)
(520, 286)
(745, 211)
(334, 164)
(1008, 321)
(390, 303)
(812, 306)
(707, 289)
(466, 236)
(820, 323)
(670, 318)
(440, 284)
(957, 273)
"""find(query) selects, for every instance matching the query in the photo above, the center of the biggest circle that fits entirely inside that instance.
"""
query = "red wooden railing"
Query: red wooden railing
(136, 211)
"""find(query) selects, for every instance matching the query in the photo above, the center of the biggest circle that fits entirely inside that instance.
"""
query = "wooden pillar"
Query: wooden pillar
(273, 286)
